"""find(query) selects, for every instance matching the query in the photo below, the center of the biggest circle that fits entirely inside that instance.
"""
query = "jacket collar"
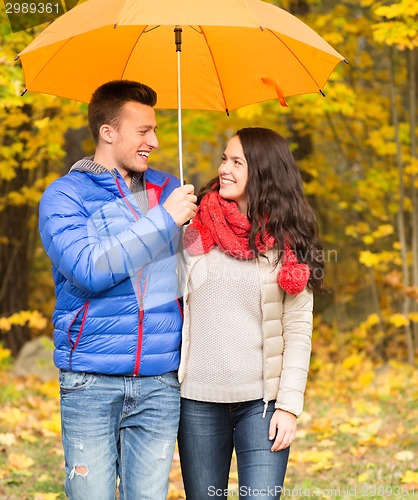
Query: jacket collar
(154, 179)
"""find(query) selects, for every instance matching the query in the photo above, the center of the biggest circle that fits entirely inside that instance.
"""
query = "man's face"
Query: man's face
(134, 138)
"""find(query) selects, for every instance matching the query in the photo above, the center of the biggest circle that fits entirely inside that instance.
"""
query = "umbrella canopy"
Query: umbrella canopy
(234, 52)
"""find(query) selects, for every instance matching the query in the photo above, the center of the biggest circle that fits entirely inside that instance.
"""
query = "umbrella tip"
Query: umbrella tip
(322, 93)
(227, 111)
(345, 60)
(23, 93)
(17, 57)
(115, 26)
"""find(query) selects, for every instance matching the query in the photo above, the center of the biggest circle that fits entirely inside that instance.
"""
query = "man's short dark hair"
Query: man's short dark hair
(108, 99)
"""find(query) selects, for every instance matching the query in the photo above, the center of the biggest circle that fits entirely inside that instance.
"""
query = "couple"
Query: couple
(111, 228)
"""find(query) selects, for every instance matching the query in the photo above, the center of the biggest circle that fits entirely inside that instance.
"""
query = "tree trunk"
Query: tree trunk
(401, 216)
(14, 263)
(414, 196)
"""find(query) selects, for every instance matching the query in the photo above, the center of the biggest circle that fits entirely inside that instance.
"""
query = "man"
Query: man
(111, 229)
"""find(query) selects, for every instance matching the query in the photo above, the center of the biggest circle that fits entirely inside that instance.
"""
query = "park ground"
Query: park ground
(357, 438)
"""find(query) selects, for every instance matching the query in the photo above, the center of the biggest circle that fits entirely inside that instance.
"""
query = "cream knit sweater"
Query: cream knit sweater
(224, 357)
(286, 322)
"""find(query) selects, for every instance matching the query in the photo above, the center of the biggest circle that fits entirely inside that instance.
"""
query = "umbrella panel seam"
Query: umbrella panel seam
(295, 56)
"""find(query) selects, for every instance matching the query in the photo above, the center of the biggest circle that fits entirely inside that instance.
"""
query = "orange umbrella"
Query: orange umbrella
(233, 52)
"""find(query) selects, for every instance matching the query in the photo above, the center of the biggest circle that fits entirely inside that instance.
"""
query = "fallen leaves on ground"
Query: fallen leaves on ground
(358, 432)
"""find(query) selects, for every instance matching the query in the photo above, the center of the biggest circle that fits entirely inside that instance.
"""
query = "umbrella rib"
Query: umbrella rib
(51, 58)
(297, 58)
(216, 69)
(251, 13)
(133, 48)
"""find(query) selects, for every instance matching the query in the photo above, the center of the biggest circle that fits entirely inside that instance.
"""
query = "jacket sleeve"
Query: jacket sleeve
(297, 334)
(94, 258)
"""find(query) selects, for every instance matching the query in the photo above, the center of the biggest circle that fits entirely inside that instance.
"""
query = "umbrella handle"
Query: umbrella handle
(177, 33)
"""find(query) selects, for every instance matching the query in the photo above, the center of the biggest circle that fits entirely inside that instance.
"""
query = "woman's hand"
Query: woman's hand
(282, 429)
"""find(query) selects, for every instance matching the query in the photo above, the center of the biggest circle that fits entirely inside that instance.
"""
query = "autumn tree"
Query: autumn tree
(31, 154)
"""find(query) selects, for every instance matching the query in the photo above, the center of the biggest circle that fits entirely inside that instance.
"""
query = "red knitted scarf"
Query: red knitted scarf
(219, 222)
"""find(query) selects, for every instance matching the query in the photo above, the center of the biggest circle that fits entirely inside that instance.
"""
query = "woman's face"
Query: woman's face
(233, 174)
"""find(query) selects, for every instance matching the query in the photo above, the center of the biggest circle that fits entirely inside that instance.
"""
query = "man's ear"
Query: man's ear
(106, 133)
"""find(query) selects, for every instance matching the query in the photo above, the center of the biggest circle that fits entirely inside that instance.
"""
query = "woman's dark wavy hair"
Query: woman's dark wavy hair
(276, 201)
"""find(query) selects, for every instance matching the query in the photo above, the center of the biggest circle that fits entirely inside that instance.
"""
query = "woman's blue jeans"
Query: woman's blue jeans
(118, 426)
(209, 432)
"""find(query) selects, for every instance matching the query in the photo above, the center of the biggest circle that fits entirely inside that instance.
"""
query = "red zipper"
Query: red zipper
(141, 296)
(131, 208)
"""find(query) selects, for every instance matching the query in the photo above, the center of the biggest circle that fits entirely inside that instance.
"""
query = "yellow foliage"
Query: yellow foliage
(394, 33)
(312, 456)
(19, 461)
(382, 140)
(379, 260)
(365, 407)
(402, 29)
(398, 320)
(372, 320)
(412, 167)
(4, 353)
(410, 477)
(362, 478)
(28, 436)
(365, 379)
(319, 466)
(50, 389)
(347, 428)
(12, 416)
(334, 38)
(15, 120)
(42, 123)
(53, 425)
(352, 361)
(404, 8)
(383, 230)
(34, 319)
(369, 259)
(413, 317)
(250, 112)
(368, 239)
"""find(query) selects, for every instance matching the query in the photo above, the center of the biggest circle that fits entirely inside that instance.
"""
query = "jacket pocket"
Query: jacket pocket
(74, 343)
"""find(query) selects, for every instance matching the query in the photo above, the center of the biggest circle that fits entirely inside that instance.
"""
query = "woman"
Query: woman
(248, 319)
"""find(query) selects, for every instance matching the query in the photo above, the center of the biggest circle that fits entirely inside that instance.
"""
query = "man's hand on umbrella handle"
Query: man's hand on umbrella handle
(181, 204)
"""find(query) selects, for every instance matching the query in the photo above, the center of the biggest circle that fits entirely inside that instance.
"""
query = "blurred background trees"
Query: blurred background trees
(356, 149)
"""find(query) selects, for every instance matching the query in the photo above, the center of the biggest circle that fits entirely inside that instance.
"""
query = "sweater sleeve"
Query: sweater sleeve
(86, 250)
(297, 333)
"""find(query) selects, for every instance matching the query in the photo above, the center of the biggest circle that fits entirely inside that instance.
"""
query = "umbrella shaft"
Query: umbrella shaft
(180, 139)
